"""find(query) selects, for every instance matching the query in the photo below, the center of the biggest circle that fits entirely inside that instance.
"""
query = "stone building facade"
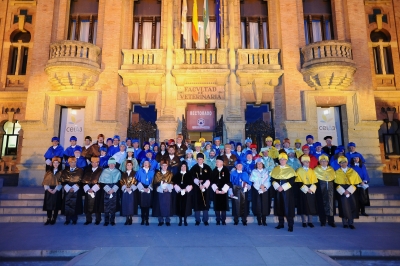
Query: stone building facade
(294, 55)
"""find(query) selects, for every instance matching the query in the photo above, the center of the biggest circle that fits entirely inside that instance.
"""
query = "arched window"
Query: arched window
(382, 52)
(10, 138)
(19, 47)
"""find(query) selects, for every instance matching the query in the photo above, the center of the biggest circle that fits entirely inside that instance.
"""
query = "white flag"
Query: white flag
(183, 20)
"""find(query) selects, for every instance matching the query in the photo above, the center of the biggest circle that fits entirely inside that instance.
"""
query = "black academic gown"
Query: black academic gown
(221, 178)
(90, 178)
(129, 202)
(284, 204)
(348, 207)
(307, 204)
(162, 202)
(52, 202)
(72, 201)
(201, 200)
(183, 203)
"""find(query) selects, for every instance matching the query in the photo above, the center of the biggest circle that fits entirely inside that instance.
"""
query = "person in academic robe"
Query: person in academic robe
(273, 152)
(254, 152)
(207, 149)
(217, 145)
(313, 160)
(241, 184)
(183, 185)
(197, 149)
(361, 170)
(154, 165)
(128, 184)
(248, 166)
(318, 150)
(129, 157)
(334, 159)
(325, 191)
(172, 160)
(52, 191)
(329, 149)
(282, 179)
(128, 142)
(70, 180)
(247, 143)
(56, 150)
(114, 147)
(292, 160)
(352, 151)
(95, 148)
(201, 174)
(103, 163)
(297, 148)
(211, 159)
(310, 144)
(261, 204)
(87, 149)
(142, 154)
(109, 180)
(180, 148)
(238, 152)
(220, 184)
(286, 146)
(162, 183)
(228, 157)
(346, 182)
(69, 151)
(145, 178)
(306, 181)
(268, 162)
(152, 142)
(162, 152)
(80, 160)
(120, 156)
(93, 193)
(155, 150)
(190, 161)
(136, 149)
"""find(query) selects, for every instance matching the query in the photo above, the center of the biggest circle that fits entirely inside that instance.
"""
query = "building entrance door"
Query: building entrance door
(72, 124)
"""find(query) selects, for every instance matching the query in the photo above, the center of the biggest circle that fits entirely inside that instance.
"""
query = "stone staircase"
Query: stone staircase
(21, 204)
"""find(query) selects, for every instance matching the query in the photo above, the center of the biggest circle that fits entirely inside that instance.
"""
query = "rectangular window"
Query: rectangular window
(13, 61)
(377, 60)
(251, 30)
(317, 28)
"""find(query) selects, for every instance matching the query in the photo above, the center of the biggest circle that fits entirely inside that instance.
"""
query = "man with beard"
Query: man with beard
(93, 193)
(180, 148)
(201, 174)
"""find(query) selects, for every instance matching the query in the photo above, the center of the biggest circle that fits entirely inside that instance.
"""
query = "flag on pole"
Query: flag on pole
(218, 20)
(206, 21)
(195, 23)
(183, 20)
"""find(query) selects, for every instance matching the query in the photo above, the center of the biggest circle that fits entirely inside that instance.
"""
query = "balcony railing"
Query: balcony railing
(142, 56)
(75, 51)
(259, 58)
(200, 56)
(327, 51)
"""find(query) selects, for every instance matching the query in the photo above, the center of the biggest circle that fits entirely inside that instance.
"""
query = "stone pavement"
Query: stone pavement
(196, 245)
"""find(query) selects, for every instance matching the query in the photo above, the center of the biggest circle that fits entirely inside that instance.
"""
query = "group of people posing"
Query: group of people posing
(179, 178)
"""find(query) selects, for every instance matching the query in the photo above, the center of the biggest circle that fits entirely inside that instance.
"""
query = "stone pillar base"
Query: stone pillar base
(166, 129)
(235, 130)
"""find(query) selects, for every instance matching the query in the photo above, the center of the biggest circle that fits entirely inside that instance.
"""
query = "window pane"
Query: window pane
(377, 61)
(201, 42)
(243, 33)
(254, 38)
(306, 31)
(388, 60)
(13, 59)
(213, 35)
(158, 35)
(188, 43)
(24, 60)
(72, 30)
(317, 34)
(94, 31)
(146, 35)
(328, 30)
(136, 37)
(12, 141)
(17, 128)
(84, 31)
(8, 127)
(265, 35)
(3, 148)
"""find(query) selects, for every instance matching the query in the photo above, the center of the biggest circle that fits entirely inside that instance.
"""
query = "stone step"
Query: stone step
(29, 210)
(21, 203)
(22, 196)
(384, 202)
(382, 196)
(41, 218)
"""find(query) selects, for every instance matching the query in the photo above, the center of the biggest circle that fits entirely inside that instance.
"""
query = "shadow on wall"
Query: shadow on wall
(32, 172)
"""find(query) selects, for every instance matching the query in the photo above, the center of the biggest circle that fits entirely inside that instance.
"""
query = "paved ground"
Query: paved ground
(217, 245)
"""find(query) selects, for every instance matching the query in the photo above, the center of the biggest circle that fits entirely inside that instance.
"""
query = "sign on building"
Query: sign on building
(200, 117)
(329, 124)
(72, 124)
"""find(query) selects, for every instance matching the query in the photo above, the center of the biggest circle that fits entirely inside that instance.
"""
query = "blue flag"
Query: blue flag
(218, 21)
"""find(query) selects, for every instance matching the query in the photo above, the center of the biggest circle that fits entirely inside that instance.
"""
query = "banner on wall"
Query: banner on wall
(200, 117)
(72, 124)
(329, 124)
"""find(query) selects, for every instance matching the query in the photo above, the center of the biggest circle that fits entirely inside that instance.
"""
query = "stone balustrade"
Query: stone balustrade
(142, 56)
(328, 65)
(75, 51)
(200, 56)
(73, 65)
(327, 51)
(258, 59)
